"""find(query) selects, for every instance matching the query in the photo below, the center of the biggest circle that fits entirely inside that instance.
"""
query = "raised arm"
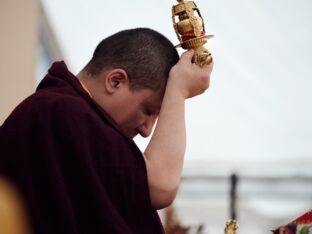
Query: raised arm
(164, 154)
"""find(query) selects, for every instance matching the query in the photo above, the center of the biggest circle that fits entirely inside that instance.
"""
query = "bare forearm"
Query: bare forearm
(165, 153)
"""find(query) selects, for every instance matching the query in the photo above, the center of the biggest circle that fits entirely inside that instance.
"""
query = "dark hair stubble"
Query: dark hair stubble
(146, 55)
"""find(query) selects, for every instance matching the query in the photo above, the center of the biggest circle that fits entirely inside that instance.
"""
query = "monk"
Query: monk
(69, 149)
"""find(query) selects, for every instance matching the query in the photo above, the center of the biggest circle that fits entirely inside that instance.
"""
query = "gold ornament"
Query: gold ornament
(190, 30)
(231, 227)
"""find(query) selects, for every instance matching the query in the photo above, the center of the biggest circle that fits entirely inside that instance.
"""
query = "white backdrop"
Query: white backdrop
(258, 107)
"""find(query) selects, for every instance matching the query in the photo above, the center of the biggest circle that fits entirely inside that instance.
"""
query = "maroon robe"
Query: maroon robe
(77, 172)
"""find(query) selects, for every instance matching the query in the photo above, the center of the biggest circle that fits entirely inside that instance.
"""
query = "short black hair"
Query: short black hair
(146, 55)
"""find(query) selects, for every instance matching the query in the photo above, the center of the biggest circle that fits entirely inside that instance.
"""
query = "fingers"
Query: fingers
(187, 56)
(209, 67)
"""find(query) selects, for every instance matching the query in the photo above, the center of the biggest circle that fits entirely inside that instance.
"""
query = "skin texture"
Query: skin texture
(134, 111)
(137, 111)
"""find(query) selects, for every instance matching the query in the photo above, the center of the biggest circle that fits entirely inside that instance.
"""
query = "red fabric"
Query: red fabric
(188, 36)
(291, 227)
(304, 219)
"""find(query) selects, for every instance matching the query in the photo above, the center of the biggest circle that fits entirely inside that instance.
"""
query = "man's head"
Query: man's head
(127, 76)
(146, 56)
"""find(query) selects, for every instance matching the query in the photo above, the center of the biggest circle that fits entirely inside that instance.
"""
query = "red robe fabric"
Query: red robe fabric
(293, 227)
(75, 169)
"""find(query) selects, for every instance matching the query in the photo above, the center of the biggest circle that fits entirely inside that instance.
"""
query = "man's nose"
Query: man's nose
(149, 124)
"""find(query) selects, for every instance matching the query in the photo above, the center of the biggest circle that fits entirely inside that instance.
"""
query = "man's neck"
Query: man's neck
(94, 87)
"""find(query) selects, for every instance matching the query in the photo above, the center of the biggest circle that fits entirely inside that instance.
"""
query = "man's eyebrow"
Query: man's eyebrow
(155, 107)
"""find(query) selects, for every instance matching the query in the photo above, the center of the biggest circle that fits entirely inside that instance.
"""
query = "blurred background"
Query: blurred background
(249, 152)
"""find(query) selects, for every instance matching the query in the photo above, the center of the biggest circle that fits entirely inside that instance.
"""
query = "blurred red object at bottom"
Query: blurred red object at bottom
(301, 225)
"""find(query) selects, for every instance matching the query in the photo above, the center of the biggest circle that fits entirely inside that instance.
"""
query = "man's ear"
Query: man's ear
(114, 79)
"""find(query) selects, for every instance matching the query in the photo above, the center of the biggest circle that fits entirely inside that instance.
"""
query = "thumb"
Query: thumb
(187, 56)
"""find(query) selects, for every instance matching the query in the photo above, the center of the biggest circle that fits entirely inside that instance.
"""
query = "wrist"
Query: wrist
(175, 90)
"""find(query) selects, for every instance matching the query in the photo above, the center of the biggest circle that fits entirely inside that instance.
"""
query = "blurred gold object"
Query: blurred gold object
(231, 227)
(190, 30)
(13, 215)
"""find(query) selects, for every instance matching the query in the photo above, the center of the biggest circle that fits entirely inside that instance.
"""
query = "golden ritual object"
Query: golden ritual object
(190, 30)
(13, 215)
(231, 227)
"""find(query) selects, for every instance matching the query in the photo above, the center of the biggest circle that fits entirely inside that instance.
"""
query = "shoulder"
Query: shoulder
(65, 115)
(51, 105)
(55, 110)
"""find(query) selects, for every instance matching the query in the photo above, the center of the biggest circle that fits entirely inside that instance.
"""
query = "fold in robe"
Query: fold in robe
(74, 168)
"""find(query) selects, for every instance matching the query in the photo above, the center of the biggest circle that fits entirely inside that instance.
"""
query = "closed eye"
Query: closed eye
(150, 112)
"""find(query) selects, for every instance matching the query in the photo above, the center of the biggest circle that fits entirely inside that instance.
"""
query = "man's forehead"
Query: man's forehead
(155, 99)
